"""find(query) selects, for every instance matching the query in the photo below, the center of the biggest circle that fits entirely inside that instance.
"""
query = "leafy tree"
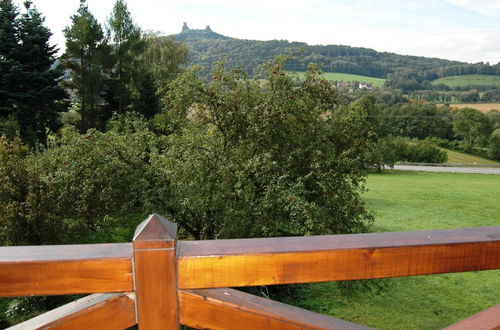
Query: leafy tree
(473, 126)
(248, 160)
(494, 145)
(87, 53)
(494, 116)
(164, 58)
(26, 216)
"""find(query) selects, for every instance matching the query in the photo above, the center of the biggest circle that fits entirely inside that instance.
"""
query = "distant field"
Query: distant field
(483, 107)
(455, 157)
(420, 201)
(334, 76)
(470, 79)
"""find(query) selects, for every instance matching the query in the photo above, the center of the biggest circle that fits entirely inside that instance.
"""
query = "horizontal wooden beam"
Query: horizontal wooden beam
(65, 269)
(232, 309)
(486, 320)
(266, 261)
(97, 311)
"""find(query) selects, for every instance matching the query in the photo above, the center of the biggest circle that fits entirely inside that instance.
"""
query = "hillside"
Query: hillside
(208, 47)
(468, 80)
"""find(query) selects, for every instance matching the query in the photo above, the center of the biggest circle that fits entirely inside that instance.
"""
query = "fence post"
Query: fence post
(155, 264)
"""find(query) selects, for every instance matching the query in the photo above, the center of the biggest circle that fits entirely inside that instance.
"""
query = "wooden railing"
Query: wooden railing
(158, 282)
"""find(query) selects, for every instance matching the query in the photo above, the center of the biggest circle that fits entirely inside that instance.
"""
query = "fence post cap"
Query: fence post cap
(155, 232)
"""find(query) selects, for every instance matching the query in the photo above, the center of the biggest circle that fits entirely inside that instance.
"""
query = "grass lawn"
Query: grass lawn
(334, 76)
(405, 201)
(455, 157)
(470, 79)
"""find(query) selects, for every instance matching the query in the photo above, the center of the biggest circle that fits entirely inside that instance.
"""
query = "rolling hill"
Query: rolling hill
(208, 47)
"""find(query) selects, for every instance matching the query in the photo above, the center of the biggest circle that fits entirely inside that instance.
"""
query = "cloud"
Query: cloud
(485, 7)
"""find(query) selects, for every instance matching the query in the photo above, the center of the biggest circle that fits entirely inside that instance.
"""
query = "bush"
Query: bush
(394, 149)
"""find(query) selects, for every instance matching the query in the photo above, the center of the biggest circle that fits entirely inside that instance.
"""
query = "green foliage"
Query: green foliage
(29, 78)
(494, 116)
(208, 48)
(127, 44)
(81, 184)
(86, 58)
(393, 149)
(26, 214)
(246, 160)
(164, 58)
(494, 145)
(473, 126)
(416, 121)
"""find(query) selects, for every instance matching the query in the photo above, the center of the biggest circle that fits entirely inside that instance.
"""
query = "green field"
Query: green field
(417, 201)
(334, 76)
(470, 79)
(455, 157)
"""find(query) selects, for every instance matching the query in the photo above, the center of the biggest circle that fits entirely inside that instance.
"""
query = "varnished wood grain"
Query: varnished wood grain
(247, 262)
(486, 320)
(155, 274)
(65, 269)
(97, 311)
(232, 309)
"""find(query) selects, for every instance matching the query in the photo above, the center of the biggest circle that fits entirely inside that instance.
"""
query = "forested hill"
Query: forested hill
(208, 47)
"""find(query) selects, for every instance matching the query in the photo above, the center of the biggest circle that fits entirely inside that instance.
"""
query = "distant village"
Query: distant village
(349, 84)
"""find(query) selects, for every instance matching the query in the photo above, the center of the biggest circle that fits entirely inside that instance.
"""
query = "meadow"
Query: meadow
(470, 79)
(455, 157)
(405, 201)
(334, 76)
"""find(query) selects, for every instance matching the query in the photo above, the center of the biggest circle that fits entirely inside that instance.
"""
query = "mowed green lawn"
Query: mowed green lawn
(405, 201)
(334, 76)
(470, 79)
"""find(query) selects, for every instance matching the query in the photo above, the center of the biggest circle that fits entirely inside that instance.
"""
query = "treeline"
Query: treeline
(413, 131)
(115, 68)
(207, 48)
(413, 79)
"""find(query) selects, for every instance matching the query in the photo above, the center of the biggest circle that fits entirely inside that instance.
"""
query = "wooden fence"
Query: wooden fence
(158, 282)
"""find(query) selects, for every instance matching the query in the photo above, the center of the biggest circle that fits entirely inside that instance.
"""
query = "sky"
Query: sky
(463, 30)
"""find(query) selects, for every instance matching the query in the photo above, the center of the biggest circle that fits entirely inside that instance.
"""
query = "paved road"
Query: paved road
(478, 170)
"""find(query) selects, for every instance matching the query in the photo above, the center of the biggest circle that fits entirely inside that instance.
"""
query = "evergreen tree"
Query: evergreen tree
(42, 97)
(9, 37)
(87, 52)
(29, 83)
(127, 46)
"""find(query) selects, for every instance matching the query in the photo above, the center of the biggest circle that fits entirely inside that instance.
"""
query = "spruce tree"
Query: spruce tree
(41, 98)
(127, 45)
(85, 57)
(29, 80)
(9, 37)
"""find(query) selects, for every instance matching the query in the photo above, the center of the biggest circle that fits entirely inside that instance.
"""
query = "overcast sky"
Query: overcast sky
(465, 30)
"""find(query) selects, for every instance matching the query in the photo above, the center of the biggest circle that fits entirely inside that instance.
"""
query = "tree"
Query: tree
(494, 145)
(87, 53)
(9, 42)
(473, 126)
(127, 46)
(29, 80)
(42, 97)
(164, 58)
(248, 160)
